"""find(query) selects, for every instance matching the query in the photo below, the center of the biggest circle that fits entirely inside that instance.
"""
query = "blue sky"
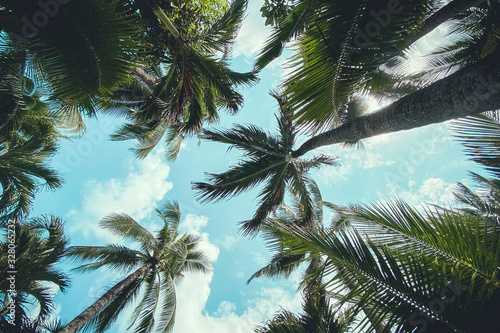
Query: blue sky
(102, 177)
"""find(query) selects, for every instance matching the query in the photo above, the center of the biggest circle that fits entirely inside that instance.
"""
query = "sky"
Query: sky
(103, 177)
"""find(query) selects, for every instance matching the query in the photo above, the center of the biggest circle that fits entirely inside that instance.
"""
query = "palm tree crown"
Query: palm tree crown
(188, 81)
(155, 266)
(268, 160)
(39, 245)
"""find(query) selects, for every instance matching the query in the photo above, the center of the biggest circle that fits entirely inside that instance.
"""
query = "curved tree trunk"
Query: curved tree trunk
(469, 91)
(76, 324)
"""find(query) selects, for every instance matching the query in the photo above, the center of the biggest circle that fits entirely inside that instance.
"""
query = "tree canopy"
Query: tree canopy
(164, 69)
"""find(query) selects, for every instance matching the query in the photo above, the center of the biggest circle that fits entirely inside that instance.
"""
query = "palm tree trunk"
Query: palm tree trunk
(145, 77)
(76, 324)
(444, 14)
(469, 91)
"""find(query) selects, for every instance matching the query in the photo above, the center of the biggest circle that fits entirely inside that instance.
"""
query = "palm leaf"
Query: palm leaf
(124, 226)
(480, 137)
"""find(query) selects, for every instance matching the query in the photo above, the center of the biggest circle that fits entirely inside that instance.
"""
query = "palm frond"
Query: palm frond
(480, 137)
(82, 57)
(113, 256)
(124, 226)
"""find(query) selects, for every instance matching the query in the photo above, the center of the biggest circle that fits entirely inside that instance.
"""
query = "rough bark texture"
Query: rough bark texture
(444, 14)
(76, 324)
(469, 91)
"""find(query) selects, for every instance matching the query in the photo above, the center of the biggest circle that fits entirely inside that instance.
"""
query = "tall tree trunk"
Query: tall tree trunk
(76, 324)
(469, 91)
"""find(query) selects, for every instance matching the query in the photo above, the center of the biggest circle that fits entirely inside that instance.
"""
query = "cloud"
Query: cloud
(194, 290)
(259, 258)
(192, 224)
(228, 242)
(373, 155)
(137, 194)
(191, 317)
(253, 33)
(432, 190)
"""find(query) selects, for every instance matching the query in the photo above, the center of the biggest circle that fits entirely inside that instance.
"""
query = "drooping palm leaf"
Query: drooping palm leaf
(266, 161)
(83, 51)
(397, 262)
(480, 137)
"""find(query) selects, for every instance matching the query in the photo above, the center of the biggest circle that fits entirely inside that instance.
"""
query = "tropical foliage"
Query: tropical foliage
(162, 260)
(39, 246)
(164, 67)
(317, 317)
(268, 160)
(188, 79)
(412, 270)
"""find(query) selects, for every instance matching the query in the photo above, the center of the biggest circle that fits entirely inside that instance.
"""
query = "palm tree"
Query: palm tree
(317, 317)
(329, 55)
(189, 79)
(28, 137)
(22, 166)
(283, 264)
(39, 246)
(436, 103)
(81, 49)
(350, 48)
(267, 159)
(479, 91)
(431, 271)
(153, 270)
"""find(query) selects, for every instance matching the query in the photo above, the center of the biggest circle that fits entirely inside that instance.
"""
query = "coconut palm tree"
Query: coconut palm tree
(267, 159)
(28, 137)
(153, 270)
(335, 51)
(477, 83)
(22, 166)
(350, 48)
(40, 244)
(81, 49)
(189, 80)
(428, 271)
(317, 317)
(478, 79)
(283, 264)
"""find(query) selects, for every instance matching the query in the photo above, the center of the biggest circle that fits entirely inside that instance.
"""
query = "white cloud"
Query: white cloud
(229, 242)
(374, 159)
(253, 32)
(225, 309)
(373, 155)
(336, 174)
(191, 317)
(137, 195)
(432, 191)
(192, 224)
